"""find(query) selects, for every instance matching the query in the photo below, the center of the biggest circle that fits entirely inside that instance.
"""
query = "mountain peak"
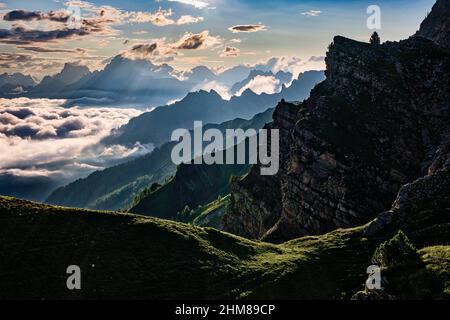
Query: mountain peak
(436, 26)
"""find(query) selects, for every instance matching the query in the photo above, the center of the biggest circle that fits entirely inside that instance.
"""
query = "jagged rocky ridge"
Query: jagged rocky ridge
(379, 121)
(437, 24)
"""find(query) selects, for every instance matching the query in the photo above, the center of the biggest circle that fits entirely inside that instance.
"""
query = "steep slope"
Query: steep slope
(116, 187)
(156, 126)
(194, 185)
(126, 256)
(437, 24)
(198, 184)
(374, 125)
(211, 214)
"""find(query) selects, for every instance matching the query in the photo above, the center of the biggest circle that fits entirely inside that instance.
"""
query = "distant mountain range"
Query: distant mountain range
(116, 187)
(125, 82)
(70, 75)
(156, 127)
(153, 126)
(15, 83)
(284, 78)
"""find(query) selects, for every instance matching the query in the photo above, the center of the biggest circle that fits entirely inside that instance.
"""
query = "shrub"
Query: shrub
(396, 251)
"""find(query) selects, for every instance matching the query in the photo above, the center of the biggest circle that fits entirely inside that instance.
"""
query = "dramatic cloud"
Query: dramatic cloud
(145, 49)
(196, 3)
(312, 13)
(247, 28)
(262, 84)
(58, 25)
(230, 52)
(201, 40)
(158, 51)
(22, 36)
(40, 137)
(23, 15)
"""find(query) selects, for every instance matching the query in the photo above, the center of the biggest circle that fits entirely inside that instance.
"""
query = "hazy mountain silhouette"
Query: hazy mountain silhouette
(70, 74)
(283, 77)
(116, 187)
(15, 83)
(156, 126)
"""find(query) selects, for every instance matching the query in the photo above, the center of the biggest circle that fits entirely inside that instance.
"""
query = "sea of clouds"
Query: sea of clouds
(39, 137)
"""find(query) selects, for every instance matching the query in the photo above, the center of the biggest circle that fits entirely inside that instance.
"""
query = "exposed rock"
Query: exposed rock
(379, 121)
(437, 25)
(421, 209)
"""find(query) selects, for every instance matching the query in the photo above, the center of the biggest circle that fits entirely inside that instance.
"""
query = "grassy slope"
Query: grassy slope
(211, 214)
(116, 187)
(129, 256)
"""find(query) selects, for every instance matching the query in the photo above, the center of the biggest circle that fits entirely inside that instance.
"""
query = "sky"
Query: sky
(43, 36)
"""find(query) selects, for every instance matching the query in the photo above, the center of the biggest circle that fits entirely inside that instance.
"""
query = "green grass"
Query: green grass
(125, 256)
(211, 214)
(129, 256)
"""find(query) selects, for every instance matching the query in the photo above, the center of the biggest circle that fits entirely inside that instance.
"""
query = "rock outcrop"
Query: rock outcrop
(437, 24)
(379, 121)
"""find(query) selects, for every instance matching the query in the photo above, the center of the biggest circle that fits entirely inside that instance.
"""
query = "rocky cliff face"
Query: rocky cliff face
(437, 24)
(379, 121)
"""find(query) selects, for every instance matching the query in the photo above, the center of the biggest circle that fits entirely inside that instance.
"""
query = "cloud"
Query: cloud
(294, 65)
(16, 62)
(317, 59)
(230, 52)
(221, 89)
(23, 15)
(39, 137)
(158, 51)
(53, 50)
(312, 13)
(187, 19)
(39, 65)
(95, 21)
(20, 35)
(247, 28)
(196, 3)
(142, 51)
(159, 18)
(203, 40)
(162, 18)
(262, 84)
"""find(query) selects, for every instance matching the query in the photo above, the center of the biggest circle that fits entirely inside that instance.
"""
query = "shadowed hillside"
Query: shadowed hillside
(128, 256)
